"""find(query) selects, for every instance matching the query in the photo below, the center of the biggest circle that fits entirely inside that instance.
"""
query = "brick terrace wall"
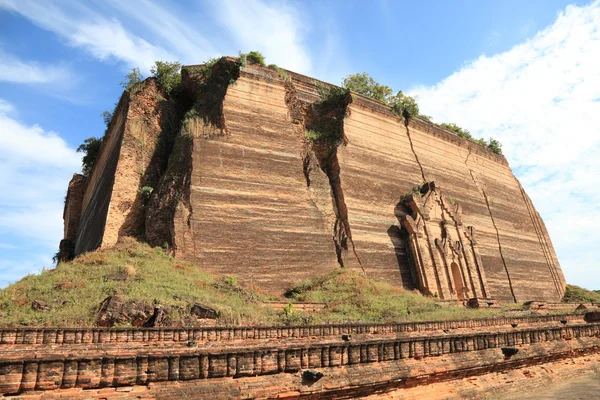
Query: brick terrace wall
(66, 371)
(60, 336)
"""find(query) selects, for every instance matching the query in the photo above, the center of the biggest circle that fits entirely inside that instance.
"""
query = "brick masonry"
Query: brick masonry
(65, 336)
(358, 367)
(249, 208)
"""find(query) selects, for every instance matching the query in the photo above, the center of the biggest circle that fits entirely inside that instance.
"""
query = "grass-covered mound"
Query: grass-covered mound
(352, 297)
(74, 290)
(576, 294)
(139, 274)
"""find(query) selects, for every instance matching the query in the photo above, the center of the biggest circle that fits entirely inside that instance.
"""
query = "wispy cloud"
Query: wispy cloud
(83, 27)
(275, 30)
(36, 166)
(540, 99)
(161, 33)
(15, 70)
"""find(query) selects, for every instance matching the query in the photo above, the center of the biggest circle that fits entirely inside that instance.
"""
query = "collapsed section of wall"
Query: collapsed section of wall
(133, 155)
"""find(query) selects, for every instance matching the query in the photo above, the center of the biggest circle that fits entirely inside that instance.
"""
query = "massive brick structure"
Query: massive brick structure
(239, 190)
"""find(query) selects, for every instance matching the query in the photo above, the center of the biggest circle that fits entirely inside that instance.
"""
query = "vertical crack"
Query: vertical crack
(406, 122)
(487, 203)
(322, 155)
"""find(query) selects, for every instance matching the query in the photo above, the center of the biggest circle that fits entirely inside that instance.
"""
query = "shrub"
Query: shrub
(255, 57)
(132, 79)
(328, 115)
(146, 192)
(367, 86)
(107, 116)
(495, 146)
(463, 133)
(91, 148)
(404, 106)
(168, 75)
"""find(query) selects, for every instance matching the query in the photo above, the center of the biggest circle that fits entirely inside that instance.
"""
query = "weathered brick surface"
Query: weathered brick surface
(61, 336)
(349, 381)
(250, 200)
(58, 370)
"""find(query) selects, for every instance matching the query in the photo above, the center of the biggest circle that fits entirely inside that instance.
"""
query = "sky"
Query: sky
(523, 72)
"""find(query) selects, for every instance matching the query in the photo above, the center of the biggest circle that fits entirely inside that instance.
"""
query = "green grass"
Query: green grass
(576, 294)
(352, 297)
(75, 289)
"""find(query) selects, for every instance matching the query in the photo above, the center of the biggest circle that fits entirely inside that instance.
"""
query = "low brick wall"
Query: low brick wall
(64, 372)
(57, 336)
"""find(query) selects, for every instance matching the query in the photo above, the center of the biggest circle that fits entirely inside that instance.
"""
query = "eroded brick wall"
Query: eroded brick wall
(345, 363)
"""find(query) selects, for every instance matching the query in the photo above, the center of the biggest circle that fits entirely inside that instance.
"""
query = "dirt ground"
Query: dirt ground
(573, 379)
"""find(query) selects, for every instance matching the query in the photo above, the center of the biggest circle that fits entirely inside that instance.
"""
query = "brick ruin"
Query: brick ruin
(295, 362)
(237, 189)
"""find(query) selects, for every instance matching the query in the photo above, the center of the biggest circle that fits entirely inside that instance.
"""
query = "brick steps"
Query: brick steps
(89, 371)
(60, 336)
(133, 348)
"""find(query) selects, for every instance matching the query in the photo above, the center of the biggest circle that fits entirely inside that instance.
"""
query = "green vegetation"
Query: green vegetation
(400, 104)
(91, 148)
(352, 297)
(146, 193)
(132, 79)
(168, 75)
(576, 294)
(74, 289)
(282, 72)
(107, 116)
(211, 79)
(463, 133)
(406, 106)
(328, 115)
(254, 57)
(367, 86)
(495, 146)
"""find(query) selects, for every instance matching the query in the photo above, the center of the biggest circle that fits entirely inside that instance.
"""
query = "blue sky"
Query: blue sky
(524, 72)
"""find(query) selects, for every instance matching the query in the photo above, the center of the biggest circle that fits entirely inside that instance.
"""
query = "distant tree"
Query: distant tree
(91, 148)
(463, 133)
(107, 117)
(132, 78)
(404, 106)
(495, 146)
(367, 86)
(168, 75)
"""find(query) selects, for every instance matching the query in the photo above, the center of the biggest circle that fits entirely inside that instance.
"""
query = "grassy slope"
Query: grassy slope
(75, 289)
(576, 294)
(353, 297)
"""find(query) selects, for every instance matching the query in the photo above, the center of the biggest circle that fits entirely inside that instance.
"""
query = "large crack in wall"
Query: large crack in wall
(487, 203)
(319, 156)
(412, 148)
(200, 115)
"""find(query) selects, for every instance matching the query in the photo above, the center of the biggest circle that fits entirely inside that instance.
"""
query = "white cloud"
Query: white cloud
(36, 167)
(276, 31)
(541, 100)
(17, 71)
(155, 32)
(83, 27)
